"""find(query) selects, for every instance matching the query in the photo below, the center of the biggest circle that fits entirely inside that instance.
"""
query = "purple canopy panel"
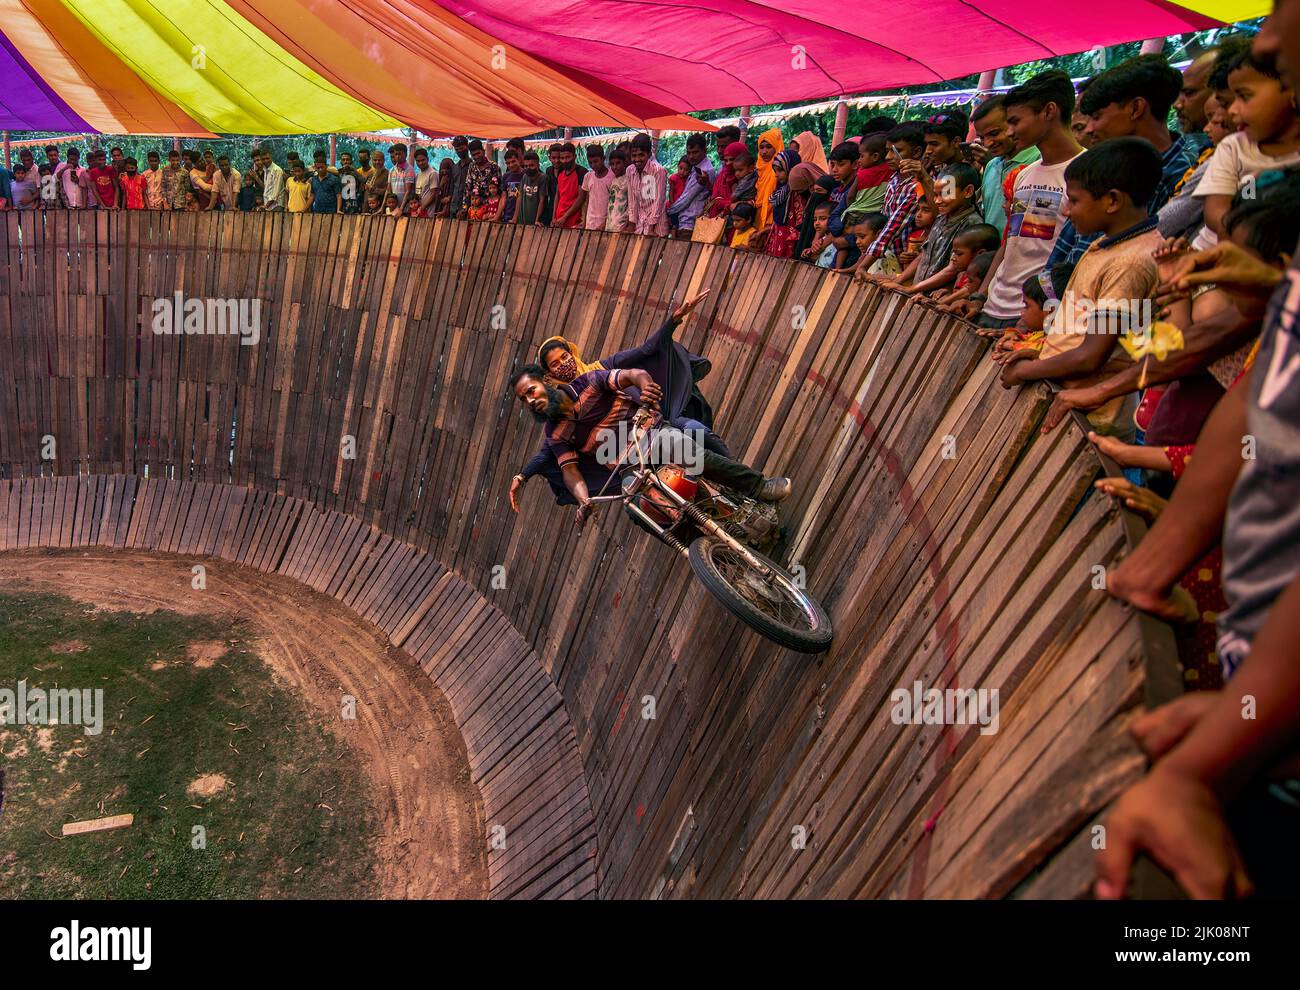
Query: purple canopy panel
(26, 103)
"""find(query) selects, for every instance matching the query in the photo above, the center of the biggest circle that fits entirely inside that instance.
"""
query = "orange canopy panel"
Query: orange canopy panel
(88, 76)
(439, 73)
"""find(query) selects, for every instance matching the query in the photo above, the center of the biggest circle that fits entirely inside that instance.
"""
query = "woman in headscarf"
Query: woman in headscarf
(810, 150)
(806, 183)
(720, 204)
(784, 208)
(819, 191)
(770, 144)
(671, 365)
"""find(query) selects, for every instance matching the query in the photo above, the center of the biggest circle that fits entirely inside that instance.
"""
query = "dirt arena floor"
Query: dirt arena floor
(431, 844)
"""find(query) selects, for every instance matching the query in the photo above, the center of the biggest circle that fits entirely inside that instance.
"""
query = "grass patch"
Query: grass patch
(184, 698)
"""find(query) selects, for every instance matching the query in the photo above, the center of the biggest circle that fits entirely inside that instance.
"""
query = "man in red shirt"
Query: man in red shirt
(132, 184)
(568, 187)
(103, 182)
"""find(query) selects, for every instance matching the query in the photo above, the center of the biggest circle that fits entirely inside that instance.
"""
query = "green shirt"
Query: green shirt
(995, 204)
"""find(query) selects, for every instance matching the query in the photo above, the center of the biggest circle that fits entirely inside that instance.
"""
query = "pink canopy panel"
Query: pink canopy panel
(690, 55)
(497, 68)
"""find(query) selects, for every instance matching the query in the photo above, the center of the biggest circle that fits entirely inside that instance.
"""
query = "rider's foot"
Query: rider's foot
(775, 489)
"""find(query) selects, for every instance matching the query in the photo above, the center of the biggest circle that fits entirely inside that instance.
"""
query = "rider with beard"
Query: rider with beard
(579, 414)
(671, 365)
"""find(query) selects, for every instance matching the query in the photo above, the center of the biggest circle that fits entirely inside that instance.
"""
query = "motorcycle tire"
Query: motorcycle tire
(814, 638)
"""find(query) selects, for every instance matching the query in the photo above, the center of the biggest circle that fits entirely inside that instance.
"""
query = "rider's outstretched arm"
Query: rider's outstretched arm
(573, 481)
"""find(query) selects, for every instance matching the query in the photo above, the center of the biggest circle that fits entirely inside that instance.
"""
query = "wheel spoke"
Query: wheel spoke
(784, 607)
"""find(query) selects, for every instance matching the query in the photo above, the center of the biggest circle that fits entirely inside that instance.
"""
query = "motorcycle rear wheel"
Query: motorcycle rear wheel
(774, 607)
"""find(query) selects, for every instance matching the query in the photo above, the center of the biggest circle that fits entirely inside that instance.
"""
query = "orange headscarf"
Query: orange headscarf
(766, 178)
(811, 150)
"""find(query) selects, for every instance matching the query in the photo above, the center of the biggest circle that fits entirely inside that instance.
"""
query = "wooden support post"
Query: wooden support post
(6, 139)
(176, 144)
(841, 122)
(334, 149)
(744, 123)
(1152, 46)
(568, 134)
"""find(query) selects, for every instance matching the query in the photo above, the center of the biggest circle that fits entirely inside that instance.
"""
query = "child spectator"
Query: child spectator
(972, 276)
(132, 184)
(906, 145)
(1038, 113)
(742, 225)
(1040, 295)
(299, 187)
(249, 200)
(677, 185)
(374, 204)
(720, 202)
(493, 205)
(745, 189)
(874, 173)
(971, 241)
(1269, 138)
(922, 220)
(532, 192)
(392, 205)
(616, 216)
(595, 188)
(954, 207)
(859, 231)
(1108, 188)
(478, 206)
(822, 251)
(844, 169)
(25, 188)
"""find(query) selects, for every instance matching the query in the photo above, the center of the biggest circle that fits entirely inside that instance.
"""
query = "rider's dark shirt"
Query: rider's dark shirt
(598, 406)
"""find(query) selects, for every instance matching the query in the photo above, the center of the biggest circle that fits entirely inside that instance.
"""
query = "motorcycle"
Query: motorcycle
(724, 535)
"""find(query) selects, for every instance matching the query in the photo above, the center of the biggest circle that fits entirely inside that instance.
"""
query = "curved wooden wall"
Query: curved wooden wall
(952, 544)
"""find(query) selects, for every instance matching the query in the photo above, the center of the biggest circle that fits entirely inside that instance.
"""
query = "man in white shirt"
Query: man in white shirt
(426, 182)
(647, 191)
(270, 177)
(595, 188)
(70, 177)
(1038, 113)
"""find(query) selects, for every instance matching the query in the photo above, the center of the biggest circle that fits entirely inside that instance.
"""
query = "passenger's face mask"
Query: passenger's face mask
(563, 368)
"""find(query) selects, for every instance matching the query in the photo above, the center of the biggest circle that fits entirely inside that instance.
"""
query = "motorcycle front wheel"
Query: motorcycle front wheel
(774, 606)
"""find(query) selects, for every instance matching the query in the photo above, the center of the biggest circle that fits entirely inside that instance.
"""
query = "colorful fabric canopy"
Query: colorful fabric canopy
(499, 67)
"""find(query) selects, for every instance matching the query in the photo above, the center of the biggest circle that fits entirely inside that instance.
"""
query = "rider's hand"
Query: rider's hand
(516, 483)
(584, 510)
(1178, 821)
(651, 393)
(684, 310)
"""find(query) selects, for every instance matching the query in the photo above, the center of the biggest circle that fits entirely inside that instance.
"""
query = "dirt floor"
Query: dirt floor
(432, 841)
